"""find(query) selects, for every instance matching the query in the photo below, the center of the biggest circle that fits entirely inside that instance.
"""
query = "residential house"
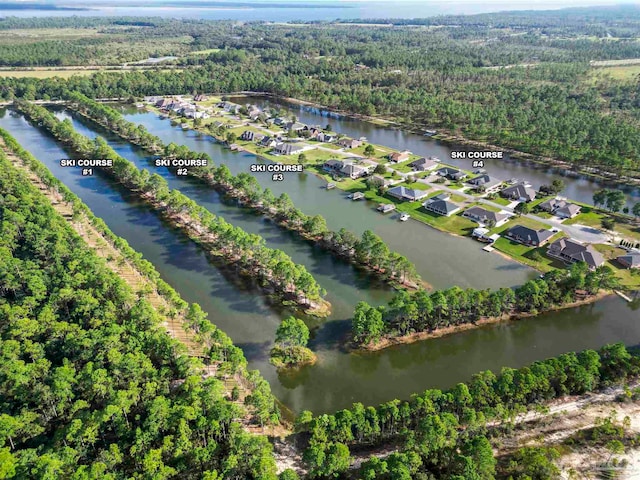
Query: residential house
(452, 174)
(382, 181)
(279, 121)
(424, 164)
(529, 236)
(295, 126)
(200, 97)
(570, 251)
(164, 103)
(268, 142)
(345, 168)
(560, 208)
(283, 148)
(520, 192)
(326, 137)
(630, 260)
(250, 136)
(485, 183)
(349, 143)
(441, 205)
(399, 157)
(403, 193)
(486, 217)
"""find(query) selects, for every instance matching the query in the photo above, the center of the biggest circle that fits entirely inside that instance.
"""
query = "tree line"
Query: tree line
(369, 250)
(216, 345)
(427, 312)
(445, 434)
(91, 384)
(247, 252)
(369, 71)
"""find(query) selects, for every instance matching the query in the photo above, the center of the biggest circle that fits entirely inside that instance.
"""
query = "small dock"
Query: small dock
(331, 186)
(386, 207)
(488, 248)
(357, 196)
(623, 296)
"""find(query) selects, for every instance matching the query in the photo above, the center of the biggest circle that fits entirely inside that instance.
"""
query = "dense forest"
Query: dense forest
(273, 269)
(498, 78)
(446, 435)
(369, 250)
(91, 385)
(427, 312)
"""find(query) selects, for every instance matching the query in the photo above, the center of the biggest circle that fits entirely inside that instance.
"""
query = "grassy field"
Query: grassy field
(204, 52)
(534, 257)
(618, 72)
(628, 277)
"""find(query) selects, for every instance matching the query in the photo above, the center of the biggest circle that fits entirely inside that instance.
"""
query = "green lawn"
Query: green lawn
(501, 201)
(416, 185)
(526, 222)
(629, 278)
(534, 257)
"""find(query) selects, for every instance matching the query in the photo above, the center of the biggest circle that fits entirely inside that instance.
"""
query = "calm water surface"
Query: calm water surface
(577, 187)
(339, 378)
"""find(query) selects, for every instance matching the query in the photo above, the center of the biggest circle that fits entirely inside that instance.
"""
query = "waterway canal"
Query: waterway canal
(339, 378)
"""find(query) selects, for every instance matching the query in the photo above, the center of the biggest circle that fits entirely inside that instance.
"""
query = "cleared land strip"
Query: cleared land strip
(114, 259)
(174, 324)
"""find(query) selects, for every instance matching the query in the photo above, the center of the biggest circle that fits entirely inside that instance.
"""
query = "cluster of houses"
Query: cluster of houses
(181, 107)
(348, 168)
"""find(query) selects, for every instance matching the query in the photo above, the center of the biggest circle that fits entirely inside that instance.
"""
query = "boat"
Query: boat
(430, 133)
(184, 126)
(404, 217)
(331, 186)
(356, 196)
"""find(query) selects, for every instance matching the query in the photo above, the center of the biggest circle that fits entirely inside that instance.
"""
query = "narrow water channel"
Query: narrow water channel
(577, 187)
(441, 259)
(339, 378)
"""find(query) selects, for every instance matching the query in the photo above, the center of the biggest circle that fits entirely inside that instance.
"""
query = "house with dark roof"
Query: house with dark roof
(268, 142)
(398, 157)
(520, 192)
(571, 251)
(630, 260)
(424, 165)
(485, 183)
(452, 174)
(560, 208)
(349, 143)
(250, 136)
(486, 217)
(441, 205)
(529, 236)
(409, 194)
(282, 148)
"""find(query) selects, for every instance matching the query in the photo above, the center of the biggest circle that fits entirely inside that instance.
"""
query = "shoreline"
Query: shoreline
(451, 330)
(452, 138)
(225, 189)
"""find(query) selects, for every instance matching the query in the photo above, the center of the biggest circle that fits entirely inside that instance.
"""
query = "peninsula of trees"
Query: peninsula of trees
(424, 312)
(369, 251)
(273, 268)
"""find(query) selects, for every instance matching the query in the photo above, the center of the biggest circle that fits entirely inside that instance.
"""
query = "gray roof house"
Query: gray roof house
(268, 142)
(570, 251)
(282, 148)
(424, 165)
(481, 215)
(560, 208)
(409, 194)
(529, 236)
(451, 173)
(485, 183)
(630, 260)
(441, 205)
(345, 167)
(349, 143)
(520, 191)
(325, 137)
(295, 126)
